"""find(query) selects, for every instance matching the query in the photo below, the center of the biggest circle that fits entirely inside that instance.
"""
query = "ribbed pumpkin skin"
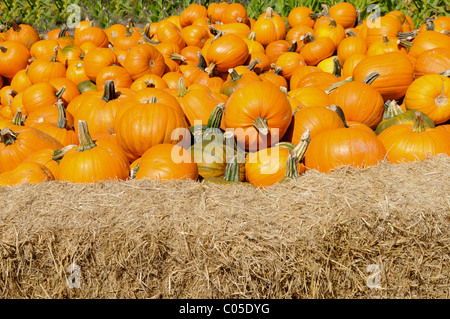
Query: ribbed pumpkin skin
(430, 94)
(165, 162)
(258, 99)
(360, 102)
(316, 118)
(227, 52)
(145, 125)
(403, 145)
(97, 164)
(396, 74)
(96, 59)
(432, 61)
(30, 173)
(28, 141)
(268, 166)
(45, 157)
(144, 59)
(339, 147)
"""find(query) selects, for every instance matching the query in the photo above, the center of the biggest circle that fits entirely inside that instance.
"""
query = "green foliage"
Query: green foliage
(45, 14)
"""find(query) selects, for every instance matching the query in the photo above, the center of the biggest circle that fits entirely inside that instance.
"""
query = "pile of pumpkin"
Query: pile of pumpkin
(214, 95)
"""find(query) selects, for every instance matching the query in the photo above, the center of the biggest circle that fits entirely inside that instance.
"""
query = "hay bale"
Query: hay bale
(379, 232)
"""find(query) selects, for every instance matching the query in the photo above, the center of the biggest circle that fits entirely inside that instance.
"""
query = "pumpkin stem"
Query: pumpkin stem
(217, 35)
(15, 26)
(445, 73)
(53, 59)
(332, 23)
(252, 36)
(300, 149)
(350, 33)
(337, 69)
(133, 171)
(339, 112)
(60, 93)
(371, 77)
(291, 167)
(7, 136)
(109, 91)
(307, 38)
(177, 56)
(18, 118)
(338, 84)
(59, 154)
(209, 70)
(261, 125)
(201, 61)
(253, 63)
(429, 25)
(407, 35)
(277, 70)
(419, 125)
(62, 120)
(86, 142)
(181, 87)
(215, 119)
(234, 75)
(62, 32)
(232, 170)
(407, 44)
(148, 40)
(358, 17)
(391, 109)
(269, 13)
(3, 49)
(293, 47)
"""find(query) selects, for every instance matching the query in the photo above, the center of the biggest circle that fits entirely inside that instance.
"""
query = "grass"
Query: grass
(47, 14)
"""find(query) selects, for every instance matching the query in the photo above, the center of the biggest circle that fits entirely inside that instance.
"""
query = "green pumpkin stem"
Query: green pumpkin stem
(62, 120)
(86, 142)
(148, 40)
(253, 63)
(16, 27)
(291, 167)
(419, 125)
(252, 36)
(407, 35)
(134, 171)
(350, 33)
(332, 23)
(278, 70)
(210, 69)
(3, 49)
(338, 84)
(215, 119)
(7, 136)
(337, 68)
(391, 109)
(62, 32)
(261, 125)
(59, 154)
(18, 118)
(269, 13)
(307, 38)
(109, 91)
(371, 77)
(339, 112)
(232, 170)
(430, 25)
(217, 33)
(181, 87)
(300, 149)
(53, 58)
(234, 75)
(60, 93)
(177, 56)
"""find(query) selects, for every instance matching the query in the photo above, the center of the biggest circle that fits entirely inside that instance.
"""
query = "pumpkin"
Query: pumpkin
(274, 76)
(277, 163)
(48, 114)
(169, 32)
(235, 12)
(194, 35)
(48, 157)
(314, 118)
(332, 30)
(406, 142)
(216, 10)
(226, 52)
(344, 13)
(394, 114)
(22, 33)
(15, 146)
(44, 49)
(164, 162)
(96, 59)
(238, 80)
(269, 27)
(350, 63)
(300, 16)
(118, 74)
(20, 82)
(91, 163)
(94, 35)
(142, 126)
(428, 40)
(40, 95)
(30, 173)
(349, 46)
(43, 70)
(259, 114)
(310, 96)
(276, 48)
(315, 50)
(430, 94)
(343, 146)
(191, 13)
(360, 102)
(385, 46)
(396, 73)
(76, 72)
(431, 61)
(69, 54)
(288, 62)
(144, 59)
(14, 57)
